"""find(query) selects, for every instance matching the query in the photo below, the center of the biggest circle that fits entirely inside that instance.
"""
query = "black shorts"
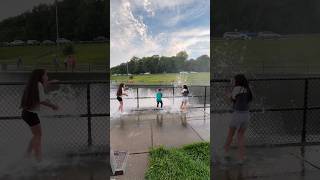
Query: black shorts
(119, 98)
(30, 118)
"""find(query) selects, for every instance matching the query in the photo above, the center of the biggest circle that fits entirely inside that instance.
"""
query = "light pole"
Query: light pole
(57, 28)
(127, 68)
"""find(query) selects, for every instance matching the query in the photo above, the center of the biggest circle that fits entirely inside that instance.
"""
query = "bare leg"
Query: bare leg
(29, 149)
(36, 141)
(229, 139)
(121, 106)
(241, 152)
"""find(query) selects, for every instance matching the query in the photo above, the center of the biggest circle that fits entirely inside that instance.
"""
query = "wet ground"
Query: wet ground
(276, 163)
(66, 168)
(138, 132)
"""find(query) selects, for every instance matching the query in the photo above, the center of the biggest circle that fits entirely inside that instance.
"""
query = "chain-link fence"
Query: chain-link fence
(143, 96)
(80, 124)
(83, 67)
(283, 111)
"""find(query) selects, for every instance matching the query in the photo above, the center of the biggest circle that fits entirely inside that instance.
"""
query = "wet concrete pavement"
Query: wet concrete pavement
(274, 163)
(137, 133)
(80, 168)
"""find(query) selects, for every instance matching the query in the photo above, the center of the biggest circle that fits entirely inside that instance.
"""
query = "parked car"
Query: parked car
(250, 34)
(33, 42)
(235, 35)
(63, 41)
(17, 43)
(268, 35)
(47, 42)
(100, 39)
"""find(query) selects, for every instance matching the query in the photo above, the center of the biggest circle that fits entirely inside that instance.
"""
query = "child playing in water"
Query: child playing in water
(159, 98)
(120, 93)
(32, 102)
(185, 93)
(241, 96)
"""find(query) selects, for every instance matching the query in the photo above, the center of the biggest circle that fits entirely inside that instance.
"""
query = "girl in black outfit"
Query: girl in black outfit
(120, 93)
(32, 102)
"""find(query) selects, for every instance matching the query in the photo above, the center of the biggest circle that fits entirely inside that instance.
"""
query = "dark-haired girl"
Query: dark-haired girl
(241, 96)
(185, 93)
(32, 102)
(120, 93)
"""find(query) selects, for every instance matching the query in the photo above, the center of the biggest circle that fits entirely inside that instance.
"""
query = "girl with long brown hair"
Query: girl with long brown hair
(32, 101)
(241, 97)
(120, 93)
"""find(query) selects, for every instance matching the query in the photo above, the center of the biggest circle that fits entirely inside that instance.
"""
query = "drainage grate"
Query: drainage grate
(118, 162)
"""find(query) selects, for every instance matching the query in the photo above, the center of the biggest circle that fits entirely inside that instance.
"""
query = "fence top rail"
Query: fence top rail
(269, 79)
(114, 86)
(60, 82)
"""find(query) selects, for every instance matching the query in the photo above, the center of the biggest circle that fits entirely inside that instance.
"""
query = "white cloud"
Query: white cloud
(130, 36)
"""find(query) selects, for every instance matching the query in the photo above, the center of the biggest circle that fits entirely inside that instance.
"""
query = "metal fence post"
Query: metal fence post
(205, 98)
(305, 111)
(89, 115)
(137, 97)
(173, 94)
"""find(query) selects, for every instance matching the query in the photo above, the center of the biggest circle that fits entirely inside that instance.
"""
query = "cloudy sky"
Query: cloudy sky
(9, 8)
(163, 27)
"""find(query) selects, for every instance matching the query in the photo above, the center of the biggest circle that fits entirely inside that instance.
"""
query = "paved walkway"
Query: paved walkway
(79, 168)
(277, 163)
(137, 133)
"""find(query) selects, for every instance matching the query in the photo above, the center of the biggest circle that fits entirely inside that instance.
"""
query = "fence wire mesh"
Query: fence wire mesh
(283, 111)
(81, 121)
(144, 96)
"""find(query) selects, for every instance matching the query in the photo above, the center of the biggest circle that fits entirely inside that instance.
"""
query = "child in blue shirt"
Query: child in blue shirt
(159, 98)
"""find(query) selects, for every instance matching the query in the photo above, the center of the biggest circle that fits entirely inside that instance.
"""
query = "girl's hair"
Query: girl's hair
(119, 92)
(186, 87)
(241, 80)
(30, 96)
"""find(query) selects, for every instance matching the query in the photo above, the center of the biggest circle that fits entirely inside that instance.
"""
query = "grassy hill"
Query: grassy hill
(93, 53)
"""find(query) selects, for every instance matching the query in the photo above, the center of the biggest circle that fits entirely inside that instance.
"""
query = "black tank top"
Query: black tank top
(241, 102)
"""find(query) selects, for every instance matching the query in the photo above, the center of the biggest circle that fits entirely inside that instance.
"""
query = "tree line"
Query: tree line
(281, 16)
(156, 64)
(78, 20)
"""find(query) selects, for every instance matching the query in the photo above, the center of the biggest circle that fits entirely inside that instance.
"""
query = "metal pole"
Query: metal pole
(137, 97)
(205, 98)
(173, 94)
(57, 28)
(89, 115)
(127, 68)
(305, 111)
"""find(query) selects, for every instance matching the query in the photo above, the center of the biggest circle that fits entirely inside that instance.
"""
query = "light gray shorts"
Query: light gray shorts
(185, 99)
(240, 119)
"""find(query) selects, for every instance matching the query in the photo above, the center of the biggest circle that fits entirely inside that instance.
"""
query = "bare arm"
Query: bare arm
(49, 104)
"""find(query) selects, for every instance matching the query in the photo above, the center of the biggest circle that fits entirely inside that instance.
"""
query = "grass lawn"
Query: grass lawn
(189, 162)
(291, 54)
(94, 53)
(166, 79)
